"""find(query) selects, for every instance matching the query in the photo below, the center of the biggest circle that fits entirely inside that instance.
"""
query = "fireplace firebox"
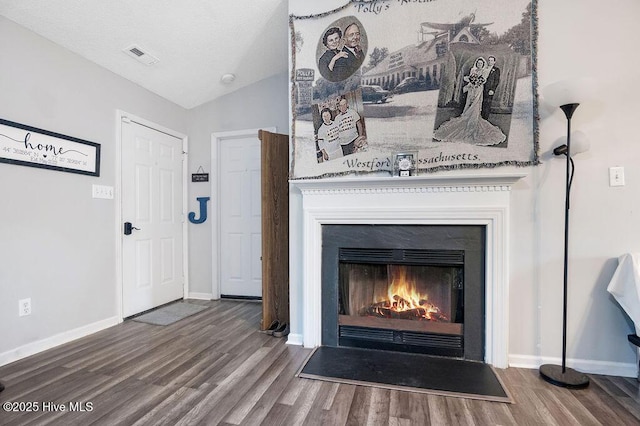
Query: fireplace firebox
(409, 288)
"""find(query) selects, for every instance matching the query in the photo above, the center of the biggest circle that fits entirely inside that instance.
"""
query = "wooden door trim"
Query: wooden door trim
(216, 139)
(120, 116)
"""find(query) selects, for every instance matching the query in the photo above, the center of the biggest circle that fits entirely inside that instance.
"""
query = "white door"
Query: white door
(152, 262)
(240, 217)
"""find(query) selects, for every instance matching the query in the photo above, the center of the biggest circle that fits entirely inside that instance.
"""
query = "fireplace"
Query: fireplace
(408, 288)
(447, 199)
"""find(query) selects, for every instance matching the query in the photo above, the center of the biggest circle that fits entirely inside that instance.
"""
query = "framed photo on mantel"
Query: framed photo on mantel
(405, 164)
(29, 146)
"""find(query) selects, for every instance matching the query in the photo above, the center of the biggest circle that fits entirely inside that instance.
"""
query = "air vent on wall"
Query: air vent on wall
(137, 53)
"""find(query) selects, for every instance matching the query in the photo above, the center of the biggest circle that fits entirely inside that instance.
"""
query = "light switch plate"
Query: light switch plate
(102, 191)
(616, 176)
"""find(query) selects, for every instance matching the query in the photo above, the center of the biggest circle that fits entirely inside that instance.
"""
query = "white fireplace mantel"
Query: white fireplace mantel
(465, 199)
(435, 183)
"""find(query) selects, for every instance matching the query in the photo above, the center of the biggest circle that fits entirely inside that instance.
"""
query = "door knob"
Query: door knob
(128, 228)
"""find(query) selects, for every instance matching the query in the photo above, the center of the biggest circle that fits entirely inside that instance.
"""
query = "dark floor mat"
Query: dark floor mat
(405, 371)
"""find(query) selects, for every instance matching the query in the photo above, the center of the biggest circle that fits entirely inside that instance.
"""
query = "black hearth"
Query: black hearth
(408, 288)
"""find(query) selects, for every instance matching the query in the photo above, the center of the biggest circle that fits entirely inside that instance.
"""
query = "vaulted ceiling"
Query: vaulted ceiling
(196, 42)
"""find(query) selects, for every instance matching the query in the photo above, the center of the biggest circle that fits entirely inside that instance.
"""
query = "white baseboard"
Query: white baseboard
(56, 340)
(294, 339)
(201, 296)
(607, 368)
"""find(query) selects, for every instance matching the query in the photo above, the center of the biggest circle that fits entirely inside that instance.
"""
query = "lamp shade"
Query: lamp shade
(565, 92)
(579, 142)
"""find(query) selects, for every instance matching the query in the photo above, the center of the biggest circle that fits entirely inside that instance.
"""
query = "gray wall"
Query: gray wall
(261, 105)
(605, 221)
(57, 243)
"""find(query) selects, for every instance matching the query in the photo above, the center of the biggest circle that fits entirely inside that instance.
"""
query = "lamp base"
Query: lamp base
(571, 378)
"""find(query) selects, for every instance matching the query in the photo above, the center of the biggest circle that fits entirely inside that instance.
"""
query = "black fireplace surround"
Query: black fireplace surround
(459, 250)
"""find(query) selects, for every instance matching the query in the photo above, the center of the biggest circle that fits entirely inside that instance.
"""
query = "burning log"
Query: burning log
(398, 310)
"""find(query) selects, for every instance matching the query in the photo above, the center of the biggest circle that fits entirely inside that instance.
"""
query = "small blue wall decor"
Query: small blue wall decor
(203, 211)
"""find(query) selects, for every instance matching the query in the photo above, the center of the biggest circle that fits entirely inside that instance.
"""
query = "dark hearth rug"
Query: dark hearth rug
(407, 372)
(170, 314)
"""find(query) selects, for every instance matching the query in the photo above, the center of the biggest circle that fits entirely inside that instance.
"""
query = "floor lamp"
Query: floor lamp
(561, 94)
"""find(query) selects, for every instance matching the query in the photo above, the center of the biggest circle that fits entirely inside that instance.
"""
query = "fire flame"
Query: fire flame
(403, 296)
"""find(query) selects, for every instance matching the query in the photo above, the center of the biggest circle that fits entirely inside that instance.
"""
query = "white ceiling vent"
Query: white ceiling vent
(137, 53)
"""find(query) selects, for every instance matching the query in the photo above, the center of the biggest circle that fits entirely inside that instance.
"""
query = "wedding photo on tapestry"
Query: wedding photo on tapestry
(451, 81)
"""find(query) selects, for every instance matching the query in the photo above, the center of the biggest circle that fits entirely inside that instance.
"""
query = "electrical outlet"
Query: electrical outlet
(616, 176)
(24, 307)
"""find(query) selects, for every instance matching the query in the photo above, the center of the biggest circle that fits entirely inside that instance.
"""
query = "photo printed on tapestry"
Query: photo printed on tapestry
(452, 80)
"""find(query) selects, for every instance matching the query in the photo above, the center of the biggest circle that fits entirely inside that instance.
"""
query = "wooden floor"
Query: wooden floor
(216, 368)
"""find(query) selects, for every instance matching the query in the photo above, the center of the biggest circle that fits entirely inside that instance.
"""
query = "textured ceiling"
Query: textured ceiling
(196, 41)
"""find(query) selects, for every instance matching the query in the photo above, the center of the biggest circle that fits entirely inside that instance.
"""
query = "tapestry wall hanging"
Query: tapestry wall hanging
(451, 81)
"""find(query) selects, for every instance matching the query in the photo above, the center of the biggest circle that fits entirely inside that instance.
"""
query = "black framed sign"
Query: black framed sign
(200, 175)
(29, 146)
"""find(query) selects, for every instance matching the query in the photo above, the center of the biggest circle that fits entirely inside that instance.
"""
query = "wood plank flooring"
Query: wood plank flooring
(217, 368)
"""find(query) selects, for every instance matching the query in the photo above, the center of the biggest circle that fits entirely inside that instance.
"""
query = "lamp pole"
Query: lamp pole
(561, 375)
(568, 111)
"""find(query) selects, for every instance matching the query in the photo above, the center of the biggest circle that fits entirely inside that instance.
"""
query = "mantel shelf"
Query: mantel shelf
(428, 183)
